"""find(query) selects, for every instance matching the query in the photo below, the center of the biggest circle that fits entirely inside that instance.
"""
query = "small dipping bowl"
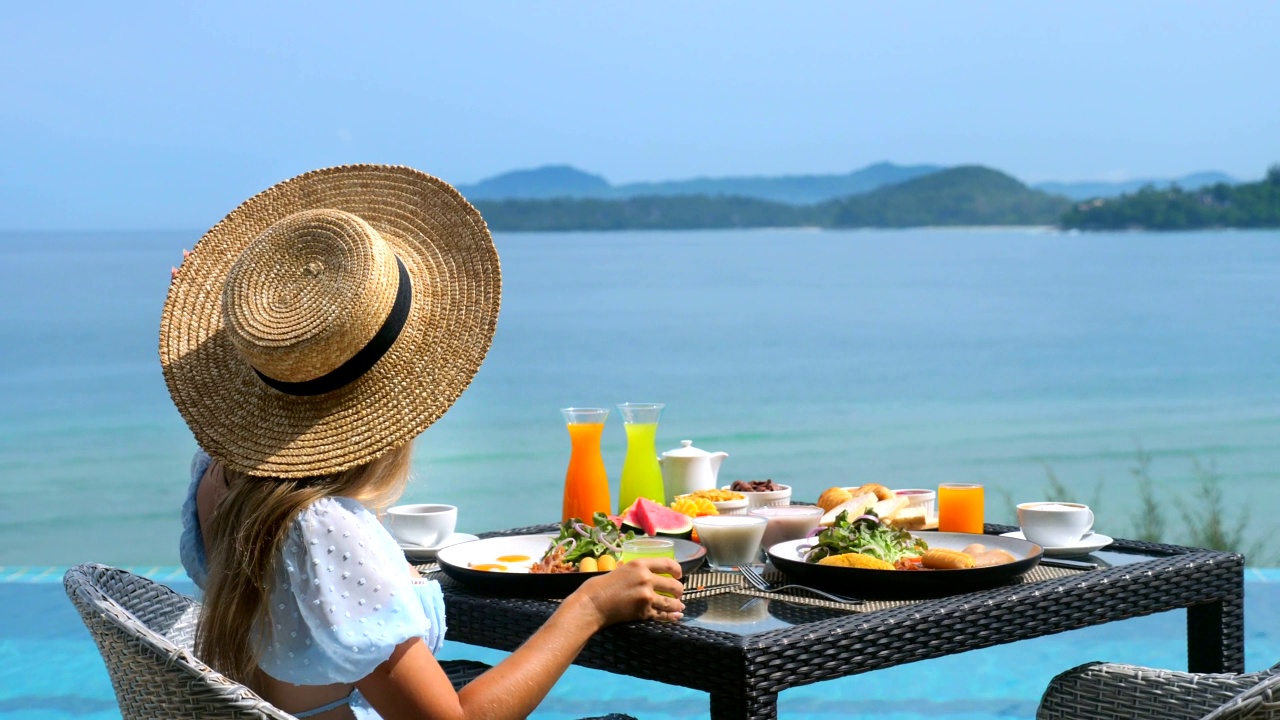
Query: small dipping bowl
(921, 496)
(787, 522)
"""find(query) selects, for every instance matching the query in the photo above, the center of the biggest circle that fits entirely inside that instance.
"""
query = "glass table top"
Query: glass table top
(740, 614)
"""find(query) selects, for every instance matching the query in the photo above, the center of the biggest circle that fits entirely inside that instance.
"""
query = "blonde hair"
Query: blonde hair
(248, 529)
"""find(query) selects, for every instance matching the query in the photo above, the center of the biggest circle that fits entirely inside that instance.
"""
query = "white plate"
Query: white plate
(420, 553)
(457, 562)
(1085, 545)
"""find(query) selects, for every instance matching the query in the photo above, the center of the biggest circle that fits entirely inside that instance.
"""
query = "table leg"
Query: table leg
(744, 706)
(1215, 637)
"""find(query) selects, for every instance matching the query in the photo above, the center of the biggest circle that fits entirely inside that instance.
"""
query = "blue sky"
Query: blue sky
(166, 115)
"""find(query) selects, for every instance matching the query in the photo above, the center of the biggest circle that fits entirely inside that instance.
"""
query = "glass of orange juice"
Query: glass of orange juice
(960, 508)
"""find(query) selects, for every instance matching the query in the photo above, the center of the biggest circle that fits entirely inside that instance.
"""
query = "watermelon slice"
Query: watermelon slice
(652, 519)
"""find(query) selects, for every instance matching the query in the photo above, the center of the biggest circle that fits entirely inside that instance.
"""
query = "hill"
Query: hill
(793, 189)
(549, 181)
(961, 196)
(565, 181)
(967, 195)
(1247, 205)
(1089, 190)
(681, 212)
(569, 182)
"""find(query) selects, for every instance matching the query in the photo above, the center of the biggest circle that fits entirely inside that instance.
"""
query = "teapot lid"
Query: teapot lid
(686, 450)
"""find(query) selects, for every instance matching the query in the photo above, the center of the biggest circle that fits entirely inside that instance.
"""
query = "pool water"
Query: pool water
(50, 668)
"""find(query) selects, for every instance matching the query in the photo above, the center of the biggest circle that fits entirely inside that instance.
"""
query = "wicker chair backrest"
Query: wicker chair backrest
(145, 633)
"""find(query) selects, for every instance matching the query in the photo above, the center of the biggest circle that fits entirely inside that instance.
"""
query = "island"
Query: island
(1246, 205)
(966, 195)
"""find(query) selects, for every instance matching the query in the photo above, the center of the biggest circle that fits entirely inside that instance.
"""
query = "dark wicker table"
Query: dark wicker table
(744, 665)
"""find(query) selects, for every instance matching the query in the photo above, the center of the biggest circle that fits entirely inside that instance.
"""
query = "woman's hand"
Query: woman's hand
(631, 592)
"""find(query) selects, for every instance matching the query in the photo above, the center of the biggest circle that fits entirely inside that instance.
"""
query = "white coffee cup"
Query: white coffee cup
(424, 525)
(1054, 524)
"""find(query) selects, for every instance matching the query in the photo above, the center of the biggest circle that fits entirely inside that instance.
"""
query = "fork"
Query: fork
(754, 577)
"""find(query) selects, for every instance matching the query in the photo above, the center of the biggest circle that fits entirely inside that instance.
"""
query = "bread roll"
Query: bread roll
(881, 492)
(832, 497)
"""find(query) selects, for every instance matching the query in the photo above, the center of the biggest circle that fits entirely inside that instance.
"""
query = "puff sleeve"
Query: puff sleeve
(191, 544)
(342, 599)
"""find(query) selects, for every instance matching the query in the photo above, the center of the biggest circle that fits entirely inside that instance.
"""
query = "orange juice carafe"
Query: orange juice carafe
(586, 486)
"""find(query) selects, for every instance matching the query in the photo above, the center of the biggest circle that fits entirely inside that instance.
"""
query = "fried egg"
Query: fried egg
(504, 563)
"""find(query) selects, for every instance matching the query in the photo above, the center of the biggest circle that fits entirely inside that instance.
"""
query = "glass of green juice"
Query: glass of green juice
(648, 547)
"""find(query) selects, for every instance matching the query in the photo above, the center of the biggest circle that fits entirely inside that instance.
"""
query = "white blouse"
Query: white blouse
(342, 598)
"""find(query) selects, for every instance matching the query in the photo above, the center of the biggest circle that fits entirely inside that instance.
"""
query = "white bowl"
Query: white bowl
(765, 499)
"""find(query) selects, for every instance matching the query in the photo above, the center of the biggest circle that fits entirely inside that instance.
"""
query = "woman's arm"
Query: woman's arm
(411, 683)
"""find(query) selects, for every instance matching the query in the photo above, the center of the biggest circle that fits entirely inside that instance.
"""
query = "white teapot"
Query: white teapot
(688, 469)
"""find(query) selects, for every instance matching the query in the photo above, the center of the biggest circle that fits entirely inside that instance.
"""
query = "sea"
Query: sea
(813, 358)
(1041, 364)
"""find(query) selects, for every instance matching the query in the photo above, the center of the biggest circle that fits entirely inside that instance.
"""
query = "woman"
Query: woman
(307, 339)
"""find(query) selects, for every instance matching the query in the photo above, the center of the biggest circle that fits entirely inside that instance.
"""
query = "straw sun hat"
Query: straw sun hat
(330, 319)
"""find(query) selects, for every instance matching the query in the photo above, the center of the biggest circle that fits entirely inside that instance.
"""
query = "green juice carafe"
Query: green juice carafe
(641, 474)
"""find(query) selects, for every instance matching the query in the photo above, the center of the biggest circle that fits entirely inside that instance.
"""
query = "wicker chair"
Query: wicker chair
(146, 633)
(1100, 691)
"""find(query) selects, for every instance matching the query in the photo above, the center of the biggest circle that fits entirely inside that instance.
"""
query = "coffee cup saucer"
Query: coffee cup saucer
(1085, 545)
(421, 552)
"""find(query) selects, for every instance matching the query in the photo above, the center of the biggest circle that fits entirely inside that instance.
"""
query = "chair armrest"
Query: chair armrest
(461, 672)
(1101, 691)
(1260, 702)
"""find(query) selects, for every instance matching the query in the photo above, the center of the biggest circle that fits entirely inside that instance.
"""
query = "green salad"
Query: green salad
(867, 535)
(579, 540)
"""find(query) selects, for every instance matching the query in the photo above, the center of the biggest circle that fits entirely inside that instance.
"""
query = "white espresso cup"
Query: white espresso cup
(1054, 524)
(424, 525)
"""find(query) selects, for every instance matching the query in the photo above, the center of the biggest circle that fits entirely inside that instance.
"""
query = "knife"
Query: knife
(700, 588)
(1073, 564)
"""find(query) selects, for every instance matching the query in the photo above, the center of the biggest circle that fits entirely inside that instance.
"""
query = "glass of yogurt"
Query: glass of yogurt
(786, 522)
(730, 540)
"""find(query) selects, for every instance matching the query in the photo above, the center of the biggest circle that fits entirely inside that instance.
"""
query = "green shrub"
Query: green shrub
(1205, 520)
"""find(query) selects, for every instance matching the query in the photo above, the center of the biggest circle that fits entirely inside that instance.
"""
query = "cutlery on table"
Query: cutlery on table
(1066, 563)
(703, 588)
(757, 580)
